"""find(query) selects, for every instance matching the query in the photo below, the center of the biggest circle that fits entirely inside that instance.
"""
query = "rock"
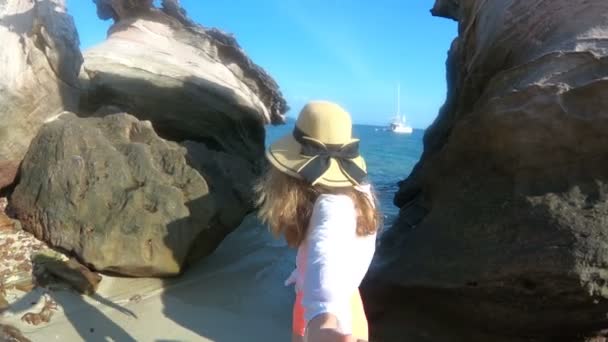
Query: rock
(191, 82)
(9, 333)
(40, 60)
(196, 86)
(4, 304)
(504, 218)
(230, 179)
(3, 204)
(6, 224)
(8, 173)
(114, 194)
(447, 9)
(117, 9)
(72, 272)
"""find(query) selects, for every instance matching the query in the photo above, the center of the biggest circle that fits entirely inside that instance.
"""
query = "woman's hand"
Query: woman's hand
(324, 328)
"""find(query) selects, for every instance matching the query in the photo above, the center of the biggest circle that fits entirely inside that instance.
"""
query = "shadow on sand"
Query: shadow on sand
(236, 293)
(88, 320)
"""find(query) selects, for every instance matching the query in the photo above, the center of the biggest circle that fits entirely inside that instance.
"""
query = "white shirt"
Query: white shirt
(332, 260)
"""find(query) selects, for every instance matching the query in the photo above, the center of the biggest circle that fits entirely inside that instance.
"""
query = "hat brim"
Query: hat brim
(284, 154)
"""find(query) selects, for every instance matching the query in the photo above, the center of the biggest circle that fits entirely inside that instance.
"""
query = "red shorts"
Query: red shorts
(360, 329)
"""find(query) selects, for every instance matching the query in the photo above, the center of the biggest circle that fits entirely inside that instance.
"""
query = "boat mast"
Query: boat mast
(399, 100)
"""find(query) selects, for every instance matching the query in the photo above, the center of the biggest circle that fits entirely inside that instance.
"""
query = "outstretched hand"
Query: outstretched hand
(324, 328)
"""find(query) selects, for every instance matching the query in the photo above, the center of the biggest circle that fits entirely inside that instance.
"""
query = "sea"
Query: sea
(390, 157)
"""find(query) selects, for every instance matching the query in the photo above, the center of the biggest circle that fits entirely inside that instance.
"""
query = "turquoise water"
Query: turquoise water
(390, 158)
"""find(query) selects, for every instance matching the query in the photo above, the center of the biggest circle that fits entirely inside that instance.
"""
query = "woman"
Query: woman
(316, 195)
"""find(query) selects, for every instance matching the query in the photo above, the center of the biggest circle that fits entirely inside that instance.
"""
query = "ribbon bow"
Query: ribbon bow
(321, 158)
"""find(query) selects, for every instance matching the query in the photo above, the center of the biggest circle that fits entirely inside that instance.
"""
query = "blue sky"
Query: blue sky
(353, 52)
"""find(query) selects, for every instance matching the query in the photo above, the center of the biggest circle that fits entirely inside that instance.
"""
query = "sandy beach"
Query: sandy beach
(236, 294)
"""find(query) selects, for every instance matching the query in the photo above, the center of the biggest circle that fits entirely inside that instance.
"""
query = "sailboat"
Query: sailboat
(399, 125)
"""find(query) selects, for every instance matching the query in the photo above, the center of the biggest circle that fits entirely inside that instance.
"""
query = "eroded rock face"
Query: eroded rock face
(115, 194)
(505, 216)
(40, 60)
(117, 9)
(193, 83)
(123, 199)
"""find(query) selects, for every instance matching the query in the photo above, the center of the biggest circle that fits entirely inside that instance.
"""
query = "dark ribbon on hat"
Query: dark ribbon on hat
(321, 155)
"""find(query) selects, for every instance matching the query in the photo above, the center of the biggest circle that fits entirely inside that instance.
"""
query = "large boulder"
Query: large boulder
(122, 199)
(503, 222)
(191, 82)
(39, 61)
(113, 193)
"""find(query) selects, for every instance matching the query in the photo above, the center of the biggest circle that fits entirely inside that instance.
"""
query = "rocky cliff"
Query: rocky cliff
(503, 221)
(193, 83)
(144, 193)
(40, 60)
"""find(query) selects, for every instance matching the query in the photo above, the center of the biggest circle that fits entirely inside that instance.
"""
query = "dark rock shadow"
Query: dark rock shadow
(197, 110)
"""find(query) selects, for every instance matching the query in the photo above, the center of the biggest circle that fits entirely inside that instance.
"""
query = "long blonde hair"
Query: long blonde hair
(286, 203)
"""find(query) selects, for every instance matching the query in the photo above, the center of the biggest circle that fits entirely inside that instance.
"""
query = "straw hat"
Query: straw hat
(321, 149)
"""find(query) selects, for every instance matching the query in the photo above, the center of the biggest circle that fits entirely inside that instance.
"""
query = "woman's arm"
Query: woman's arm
(327, 287)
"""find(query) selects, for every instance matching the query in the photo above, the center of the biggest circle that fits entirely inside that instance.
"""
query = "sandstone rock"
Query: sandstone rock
(17, 249)
(40, 60)
(6, 223)
(192, 83)
(71, 272)
(113, 193)
(230, 179)
(8, 173)
(117, 9)
(505, 216)
(9, 333)
(4, 304)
